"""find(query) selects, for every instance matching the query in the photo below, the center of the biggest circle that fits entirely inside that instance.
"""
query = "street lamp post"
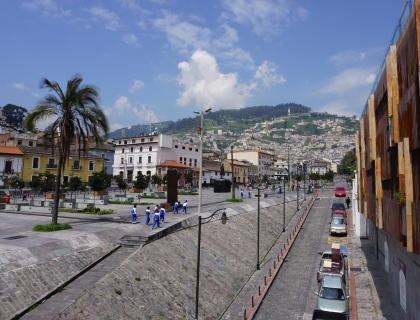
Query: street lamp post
(297, 189)
(233, 172)
(258, 230)
(284, 200)
(200, 183)
(223, 218)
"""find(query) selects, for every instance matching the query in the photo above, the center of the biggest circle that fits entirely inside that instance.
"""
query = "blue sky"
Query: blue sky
(159, 60)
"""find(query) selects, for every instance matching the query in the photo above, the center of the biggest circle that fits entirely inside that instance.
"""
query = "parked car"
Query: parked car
(338, 225)
(325, 265)
(340, 213)
(332, 295)
(338, 206)
(340, 191)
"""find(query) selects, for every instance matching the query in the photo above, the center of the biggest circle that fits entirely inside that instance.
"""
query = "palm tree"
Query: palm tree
(78, 117)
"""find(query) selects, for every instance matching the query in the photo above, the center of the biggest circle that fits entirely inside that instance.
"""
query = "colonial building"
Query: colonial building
(163, 167)
(211, 172)
(11, 159)
(105, 151)
(37, 160)
(144, 153)
(240, 170)
(262, 159)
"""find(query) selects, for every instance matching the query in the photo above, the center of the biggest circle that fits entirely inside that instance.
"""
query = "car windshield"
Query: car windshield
(337, 221)
(338, 206)
(339, 189)
(331, 293)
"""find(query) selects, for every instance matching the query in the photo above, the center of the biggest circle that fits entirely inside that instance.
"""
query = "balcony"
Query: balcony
(76, 167)
(51, 166)
(7, 170)
(130, 164)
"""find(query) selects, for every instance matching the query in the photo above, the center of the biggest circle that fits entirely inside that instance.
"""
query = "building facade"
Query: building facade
(264, 160)
(11, 159)
(144, 153)
(386, 198)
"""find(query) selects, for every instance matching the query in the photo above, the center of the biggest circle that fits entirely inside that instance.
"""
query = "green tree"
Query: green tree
(188, 177)
(346, 163)
(122, 185)
(14, 115)
(329, 176)
(140, 181)
(99, 181)
(156, 179)
(78, 117)
(73, 185)
(16, 182)
(265, 178)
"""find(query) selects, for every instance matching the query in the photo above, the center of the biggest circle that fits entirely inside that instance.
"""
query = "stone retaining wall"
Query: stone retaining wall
(22, 287)
(167, 270)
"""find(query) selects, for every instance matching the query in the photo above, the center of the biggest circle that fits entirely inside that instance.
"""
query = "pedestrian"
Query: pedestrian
(242, 194)
(249, 193)
(162, 214)
(147, 213)
(24, 196)
(8, 199)
(184, 207)
(134, 214)
(348, 202)
(156, 219)
(279, 190)
(176, 205)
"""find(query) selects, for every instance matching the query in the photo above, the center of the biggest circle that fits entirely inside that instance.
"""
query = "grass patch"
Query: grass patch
(129, 202)
(137, 278)
(51, 227)
(118, 291)
(152, 197)
(234, 200)
(186, 193)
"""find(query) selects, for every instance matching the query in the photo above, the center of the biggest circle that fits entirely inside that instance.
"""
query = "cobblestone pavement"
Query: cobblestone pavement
(292, 294)
(76, 289)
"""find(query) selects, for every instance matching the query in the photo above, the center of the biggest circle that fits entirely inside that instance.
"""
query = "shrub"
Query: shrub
(51, 227)
(233, 200)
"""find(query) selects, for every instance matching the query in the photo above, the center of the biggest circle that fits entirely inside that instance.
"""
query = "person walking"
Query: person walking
(24, 196)
(348, 202)
(162, 214)
(8, 199)
(184, 207)
(156, 219)
(176, 206)
(134, 214)
(249, 193)
(242, 194)
(147, 213)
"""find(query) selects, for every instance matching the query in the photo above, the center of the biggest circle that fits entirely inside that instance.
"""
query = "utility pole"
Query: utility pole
(233, 172)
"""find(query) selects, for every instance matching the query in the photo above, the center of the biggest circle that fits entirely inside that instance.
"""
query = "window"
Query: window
(65, 179)
(141, 149)
(194, 174)
(30, 143)
(125, 141)
(185, 161)
(142, 140)
(150, 148)
(133, 141)
(190, 149)
(8, 166)
(76, 164)
(159, 171)
(130, 160)
(119, 142)
(138, 172)
(103, 155)
(196, 150)
(19, 142)
(51, 163)
(91, 165)
(131, 149)
(195, 162)
(151, 140)
(190, 162)
(183, 148)
(176, 146)
(35, 163)
(139, 159)
(122, 151)
(122, 160)
(149, 159)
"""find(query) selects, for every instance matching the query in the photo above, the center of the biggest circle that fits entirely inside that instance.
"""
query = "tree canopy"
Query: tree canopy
(14, 115)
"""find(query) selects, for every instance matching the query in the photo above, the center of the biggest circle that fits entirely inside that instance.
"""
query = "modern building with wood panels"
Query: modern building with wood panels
(387, 184)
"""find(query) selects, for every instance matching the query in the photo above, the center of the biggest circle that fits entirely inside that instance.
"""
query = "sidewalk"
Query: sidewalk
(371, 296)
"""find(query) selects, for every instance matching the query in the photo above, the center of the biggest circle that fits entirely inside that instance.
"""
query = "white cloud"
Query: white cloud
(137, 85)
(122, 104)
(47, 7)
(267, 74)
(266, 17)
(18, 86)
(145, 115)
(42, 124)
(341, 108)
(131, 39)
(350, 57)
(349, 80)
(237, 58)
(102, 14)
(134, 7)
(115, 126)
(206, 87)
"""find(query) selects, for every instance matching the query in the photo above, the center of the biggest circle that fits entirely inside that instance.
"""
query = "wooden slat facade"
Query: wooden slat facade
(388, 141)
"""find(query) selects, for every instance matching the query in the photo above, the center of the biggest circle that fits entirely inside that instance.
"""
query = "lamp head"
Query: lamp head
(224, 217)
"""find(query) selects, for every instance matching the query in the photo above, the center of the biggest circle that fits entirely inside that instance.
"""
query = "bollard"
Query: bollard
(278, 257)
(269, 272)
(252, 301)
(259, 290)
(244, 314)
(274, 264)
(265, 280)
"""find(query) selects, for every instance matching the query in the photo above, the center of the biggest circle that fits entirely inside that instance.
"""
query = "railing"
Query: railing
(394, 38)
(9, 171)
(76, 167)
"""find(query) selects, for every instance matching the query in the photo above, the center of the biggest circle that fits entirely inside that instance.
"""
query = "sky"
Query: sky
(160, 60)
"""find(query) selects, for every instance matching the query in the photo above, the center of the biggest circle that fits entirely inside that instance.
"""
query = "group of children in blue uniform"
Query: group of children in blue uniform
(249, 193)
(159, 214)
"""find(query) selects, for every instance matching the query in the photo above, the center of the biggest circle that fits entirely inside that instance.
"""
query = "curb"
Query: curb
(262, 290)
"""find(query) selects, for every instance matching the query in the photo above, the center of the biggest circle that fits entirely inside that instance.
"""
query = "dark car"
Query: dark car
(338, 206)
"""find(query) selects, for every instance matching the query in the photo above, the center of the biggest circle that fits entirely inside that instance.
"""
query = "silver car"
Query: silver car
(338, 225)
(332, 295)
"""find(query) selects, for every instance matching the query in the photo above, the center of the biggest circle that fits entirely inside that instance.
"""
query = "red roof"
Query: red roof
(11, 150)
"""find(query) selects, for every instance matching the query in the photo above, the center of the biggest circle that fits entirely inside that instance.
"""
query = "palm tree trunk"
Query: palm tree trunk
(57, 191)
